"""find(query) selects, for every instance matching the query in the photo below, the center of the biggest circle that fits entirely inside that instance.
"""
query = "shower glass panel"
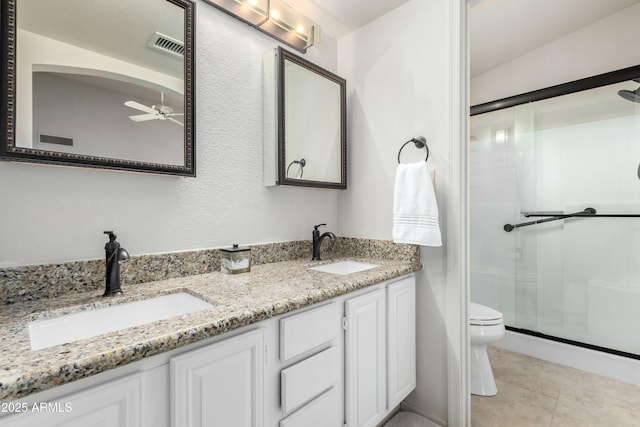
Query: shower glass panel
(576, 278)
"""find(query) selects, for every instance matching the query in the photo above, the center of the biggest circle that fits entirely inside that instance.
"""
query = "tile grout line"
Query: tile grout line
(555, 409)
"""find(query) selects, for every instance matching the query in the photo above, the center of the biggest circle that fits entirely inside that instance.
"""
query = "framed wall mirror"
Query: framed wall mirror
(99, 84)
(310, 131)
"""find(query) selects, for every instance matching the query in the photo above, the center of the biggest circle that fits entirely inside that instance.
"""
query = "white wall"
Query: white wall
(53, 214)
(68, 108)
(606, 45)
(396, 70)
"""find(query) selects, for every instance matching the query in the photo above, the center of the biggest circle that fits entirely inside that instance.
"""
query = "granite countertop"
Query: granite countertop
(238, 300)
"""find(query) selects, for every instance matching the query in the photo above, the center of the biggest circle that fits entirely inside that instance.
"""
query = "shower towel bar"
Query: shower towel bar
(510, 227)
(541, 213)
(587, 213)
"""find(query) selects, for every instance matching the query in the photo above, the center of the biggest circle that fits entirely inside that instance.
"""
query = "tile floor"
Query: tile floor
(536, 393)
(409, 419)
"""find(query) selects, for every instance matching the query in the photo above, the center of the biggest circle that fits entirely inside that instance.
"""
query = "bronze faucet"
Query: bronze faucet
(115, 255)
(317, 240)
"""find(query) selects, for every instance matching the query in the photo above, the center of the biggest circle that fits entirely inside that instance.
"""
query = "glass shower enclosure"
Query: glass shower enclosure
(555, 211)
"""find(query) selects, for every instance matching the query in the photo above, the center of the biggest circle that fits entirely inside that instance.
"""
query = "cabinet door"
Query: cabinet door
(156, 397)
(114, 404)
(365, 359)
(220, 385)
(401, 340)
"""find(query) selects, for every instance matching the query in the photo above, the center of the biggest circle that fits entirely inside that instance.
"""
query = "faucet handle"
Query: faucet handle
(315, 227)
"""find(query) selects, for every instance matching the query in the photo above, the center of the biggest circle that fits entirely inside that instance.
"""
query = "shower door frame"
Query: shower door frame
(587, 83)
(580, 85)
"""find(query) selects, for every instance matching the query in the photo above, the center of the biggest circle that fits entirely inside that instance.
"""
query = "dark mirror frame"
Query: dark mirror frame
(283, 56)
(8, 149)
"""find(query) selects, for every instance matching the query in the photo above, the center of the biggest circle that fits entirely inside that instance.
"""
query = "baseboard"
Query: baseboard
(390, 415)
(609, 365)
(407, 407)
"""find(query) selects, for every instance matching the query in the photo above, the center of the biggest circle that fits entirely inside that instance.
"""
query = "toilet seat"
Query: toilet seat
(481, 315)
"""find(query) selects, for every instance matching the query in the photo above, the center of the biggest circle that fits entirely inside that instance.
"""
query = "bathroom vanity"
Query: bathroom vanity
(283, 345)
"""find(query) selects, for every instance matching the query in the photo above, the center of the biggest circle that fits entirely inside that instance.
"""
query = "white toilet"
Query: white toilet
(485, 327)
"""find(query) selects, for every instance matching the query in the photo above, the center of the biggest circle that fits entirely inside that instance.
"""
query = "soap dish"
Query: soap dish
(235, 259)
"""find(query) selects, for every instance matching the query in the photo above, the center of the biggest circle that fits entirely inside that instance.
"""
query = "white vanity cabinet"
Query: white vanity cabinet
(310, 368)
(323, 411)
(116, 403)
(380, 351)
(401, 340)
(350, 358)
(220, 385)
(365, 344)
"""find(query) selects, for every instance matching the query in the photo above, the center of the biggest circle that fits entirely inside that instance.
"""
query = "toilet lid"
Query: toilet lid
(483, 313)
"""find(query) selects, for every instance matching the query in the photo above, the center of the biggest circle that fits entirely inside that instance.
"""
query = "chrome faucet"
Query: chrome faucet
(317, 240)
(115, 255)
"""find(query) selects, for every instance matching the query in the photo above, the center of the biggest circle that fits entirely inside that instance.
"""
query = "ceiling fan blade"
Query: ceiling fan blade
(175, 121)
(138, 106)
(174, 114)
(144, 117)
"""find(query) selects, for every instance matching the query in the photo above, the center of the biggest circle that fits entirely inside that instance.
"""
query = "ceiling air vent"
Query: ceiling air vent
(50, 139)
(166, 44)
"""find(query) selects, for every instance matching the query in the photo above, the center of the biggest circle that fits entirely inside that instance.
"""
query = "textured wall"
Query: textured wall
(55, 214)
(398, 69)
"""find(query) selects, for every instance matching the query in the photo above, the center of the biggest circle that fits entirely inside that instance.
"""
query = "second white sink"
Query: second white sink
(344, 267)
(85, 324)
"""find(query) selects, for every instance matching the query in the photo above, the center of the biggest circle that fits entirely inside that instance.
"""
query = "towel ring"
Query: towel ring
(301, 162)
(420, 142)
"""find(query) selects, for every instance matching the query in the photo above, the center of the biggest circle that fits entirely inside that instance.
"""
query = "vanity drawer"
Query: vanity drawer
(324, 411)
(305, 331)
(307, 379)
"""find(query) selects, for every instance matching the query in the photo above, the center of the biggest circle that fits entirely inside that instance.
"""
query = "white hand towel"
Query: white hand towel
(415, 211)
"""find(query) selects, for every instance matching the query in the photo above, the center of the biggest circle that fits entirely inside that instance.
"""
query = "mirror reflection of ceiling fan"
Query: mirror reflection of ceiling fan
(155, 112)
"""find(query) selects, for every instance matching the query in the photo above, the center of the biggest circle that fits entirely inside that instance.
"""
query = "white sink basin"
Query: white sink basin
(344, 267)
(72, 327)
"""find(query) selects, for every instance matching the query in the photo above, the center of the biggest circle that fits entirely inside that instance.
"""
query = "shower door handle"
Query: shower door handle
(586, 211)
(541, 213)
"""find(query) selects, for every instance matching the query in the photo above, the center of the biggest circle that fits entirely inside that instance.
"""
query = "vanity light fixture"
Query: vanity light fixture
(275, 18)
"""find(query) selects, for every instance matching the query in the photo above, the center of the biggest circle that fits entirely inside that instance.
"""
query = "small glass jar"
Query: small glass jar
(235, 259)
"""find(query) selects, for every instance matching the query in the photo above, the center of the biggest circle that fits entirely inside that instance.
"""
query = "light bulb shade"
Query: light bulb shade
(253, 12)
(290, 26)
(275, 18)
